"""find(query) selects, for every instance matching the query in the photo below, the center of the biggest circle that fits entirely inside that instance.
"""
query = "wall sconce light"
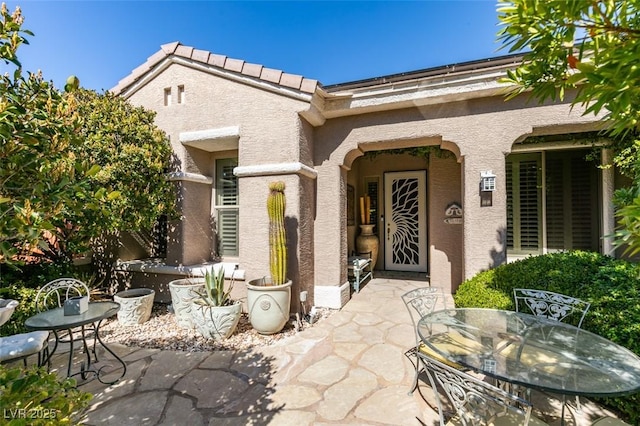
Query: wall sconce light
(487, 181)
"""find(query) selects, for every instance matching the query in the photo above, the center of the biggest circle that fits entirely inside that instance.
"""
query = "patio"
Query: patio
(348, 369)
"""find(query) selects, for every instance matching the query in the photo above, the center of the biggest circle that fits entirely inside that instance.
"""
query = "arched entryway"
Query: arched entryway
(410, 192)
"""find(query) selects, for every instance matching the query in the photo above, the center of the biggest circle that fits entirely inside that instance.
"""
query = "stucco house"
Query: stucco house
(487, 180)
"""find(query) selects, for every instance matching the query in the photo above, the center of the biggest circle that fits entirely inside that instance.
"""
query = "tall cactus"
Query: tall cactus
(277, 234)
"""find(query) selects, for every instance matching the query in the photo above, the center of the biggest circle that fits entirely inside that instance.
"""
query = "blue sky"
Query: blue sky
(334, 42)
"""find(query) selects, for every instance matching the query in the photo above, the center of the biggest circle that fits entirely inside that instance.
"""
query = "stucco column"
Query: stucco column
(445, 233)
(330, 246)
(254, 221)
(485, 214)
(190, 238)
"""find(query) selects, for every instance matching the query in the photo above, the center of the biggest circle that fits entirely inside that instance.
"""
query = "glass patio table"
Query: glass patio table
(532, 351)
(54, 320)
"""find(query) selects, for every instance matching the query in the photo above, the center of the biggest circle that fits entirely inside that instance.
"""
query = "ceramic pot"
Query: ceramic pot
(268, 305)
(7, 306)
(215, 322)
(366, 242)
(135, 305)
(183, 292)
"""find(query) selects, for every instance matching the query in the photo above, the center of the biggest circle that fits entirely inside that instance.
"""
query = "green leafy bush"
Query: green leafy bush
(612, 286)
(35, 397)
(22, 284)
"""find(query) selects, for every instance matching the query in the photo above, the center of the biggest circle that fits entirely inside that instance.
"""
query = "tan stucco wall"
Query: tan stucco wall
(270, 132)
(480, 132)
(483, 131)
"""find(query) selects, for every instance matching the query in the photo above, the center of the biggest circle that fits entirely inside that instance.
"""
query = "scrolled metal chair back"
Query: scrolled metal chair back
(54, 293)
(550, 305)
(475, 402)
(422, 301)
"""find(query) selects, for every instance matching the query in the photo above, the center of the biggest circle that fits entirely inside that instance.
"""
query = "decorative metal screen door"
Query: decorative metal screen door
(405, 221)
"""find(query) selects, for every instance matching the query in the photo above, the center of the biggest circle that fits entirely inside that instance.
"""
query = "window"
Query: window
(552, 202)
(180, 94)
(226, 207)
(167, 96)
(371, 189)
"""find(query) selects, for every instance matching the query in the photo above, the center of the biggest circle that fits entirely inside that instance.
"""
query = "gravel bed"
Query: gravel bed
(162, 332)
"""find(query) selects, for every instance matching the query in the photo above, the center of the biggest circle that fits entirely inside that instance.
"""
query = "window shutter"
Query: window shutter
(529, 206)
(227, 207)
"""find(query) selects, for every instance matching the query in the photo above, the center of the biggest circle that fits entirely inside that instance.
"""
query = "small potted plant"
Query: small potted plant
(269, 298)
(213, 312)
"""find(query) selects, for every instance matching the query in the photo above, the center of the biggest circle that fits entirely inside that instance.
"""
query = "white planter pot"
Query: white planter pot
(182, 292)
(215, 322)
(135, 305)
(268, 306)
(7, 306)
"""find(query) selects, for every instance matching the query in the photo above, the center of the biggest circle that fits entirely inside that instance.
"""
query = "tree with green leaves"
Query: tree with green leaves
(588, 50)
(39, 174)
(74, 165)
(132, 156)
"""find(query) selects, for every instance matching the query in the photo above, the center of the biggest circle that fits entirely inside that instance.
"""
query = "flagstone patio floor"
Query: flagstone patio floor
(348, 369)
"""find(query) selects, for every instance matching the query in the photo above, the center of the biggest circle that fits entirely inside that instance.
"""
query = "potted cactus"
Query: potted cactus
(269, 298)
(213, 312)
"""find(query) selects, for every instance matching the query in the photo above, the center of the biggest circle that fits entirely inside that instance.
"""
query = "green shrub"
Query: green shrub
(610, 285)
(34, 275)
(22, 284)
(35, 397)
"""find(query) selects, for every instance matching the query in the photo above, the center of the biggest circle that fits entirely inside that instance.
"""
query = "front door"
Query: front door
(406, 221)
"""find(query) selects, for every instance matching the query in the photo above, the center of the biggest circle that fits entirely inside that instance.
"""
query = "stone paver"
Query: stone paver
(347, 369)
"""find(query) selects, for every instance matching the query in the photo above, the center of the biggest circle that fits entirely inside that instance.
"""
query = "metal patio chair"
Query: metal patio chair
(53, 295)
(420, 302)
(474, 401)
(554, 306)
(548, 304)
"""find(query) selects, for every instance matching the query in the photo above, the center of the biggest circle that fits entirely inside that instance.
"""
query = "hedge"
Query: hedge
(610, 285)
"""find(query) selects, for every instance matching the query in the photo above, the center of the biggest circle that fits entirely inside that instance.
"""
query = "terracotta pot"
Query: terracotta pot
(366, 242)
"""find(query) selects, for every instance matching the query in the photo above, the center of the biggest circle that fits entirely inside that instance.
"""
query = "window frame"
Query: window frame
(219, 207)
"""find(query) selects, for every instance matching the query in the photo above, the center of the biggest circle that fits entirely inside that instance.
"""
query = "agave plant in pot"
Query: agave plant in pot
(213, 312)
(269, 298)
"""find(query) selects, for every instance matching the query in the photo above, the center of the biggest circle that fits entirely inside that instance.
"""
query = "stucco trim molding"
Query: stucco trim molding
(276, 169)
(157, 266)
(190, 177)
(212, 140)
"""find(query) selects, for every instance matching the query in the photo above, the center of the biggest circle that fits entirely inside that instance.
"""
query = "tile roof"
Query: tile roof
(238, 66)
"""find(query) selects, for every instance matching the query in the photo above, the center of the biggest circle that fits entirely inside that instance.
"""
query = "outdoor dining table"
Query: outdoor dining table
(532, 351)
(54, 320)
